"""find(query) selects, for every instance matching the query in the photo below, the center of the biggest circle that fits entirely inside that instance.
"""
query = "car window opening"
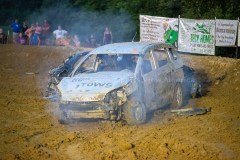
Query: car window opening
(148, 64)
(108, 62)
(161, 57)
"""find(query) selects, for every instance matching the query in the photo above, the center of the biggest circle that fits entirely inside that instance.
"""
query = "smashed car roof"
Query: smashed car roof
(127, 48)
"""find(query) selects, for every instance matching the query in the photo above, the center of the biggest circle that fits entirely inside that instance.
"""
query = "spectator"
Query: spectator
(21, 39)
(60, 36)
(29, 32)
(86, 42)
(37, 33)
(92, 41)
(16, 28)
(45, 31)
(67, 40)
(24, 27)
(3, 37)
(107, 36)
(34, 39)
(76, 41)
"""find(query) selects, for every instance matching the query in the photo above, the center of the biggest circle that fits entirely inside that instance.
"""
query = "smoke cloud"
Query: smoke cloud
(84, 22)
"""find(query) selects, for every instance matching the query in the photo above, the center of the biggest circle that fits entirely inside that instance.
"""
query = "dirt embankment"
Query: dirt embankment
(28, 129)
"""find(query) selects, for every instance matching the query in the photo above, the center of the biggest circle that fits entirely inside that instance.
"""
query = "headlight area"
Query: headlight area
(119, 96)
(116, 98)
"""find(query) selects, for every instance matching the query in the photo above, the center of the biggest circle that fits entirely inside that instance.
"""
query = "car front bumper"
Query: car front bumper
(93, 110)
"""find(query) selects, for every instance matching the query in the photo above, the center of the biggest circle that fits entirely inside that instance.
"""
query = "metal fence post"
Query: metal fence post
(178, 31)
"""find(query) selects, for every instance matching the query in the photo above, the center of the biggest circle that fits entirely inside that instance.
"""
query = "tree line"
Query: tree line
(121, 15)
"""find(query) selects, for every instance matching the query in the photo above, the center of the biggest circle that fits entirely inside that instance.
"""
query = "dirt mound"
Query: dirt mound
(28, 129)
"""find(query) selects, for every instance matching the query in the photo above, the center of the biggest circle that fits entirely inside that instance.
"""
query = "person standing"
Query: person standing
(92, 41)
(16, 29)
(60, 35)
(24, 27)
(29, 33)
(107, 36)
(45, 31)
(76, 41)
(37, 33)
(21, 39)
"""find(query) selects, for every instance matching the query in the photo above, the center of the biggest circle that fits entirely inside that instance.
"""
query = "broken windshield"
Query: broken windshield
(108, 62)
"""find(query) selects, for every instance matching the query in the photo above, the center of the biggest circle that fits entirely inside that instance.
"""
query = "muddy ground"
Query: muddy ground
(29, 128)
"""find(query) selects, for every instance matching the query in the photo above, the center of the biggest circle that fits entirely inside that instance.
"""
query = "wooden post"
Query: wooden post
(237, 39)
(215, 37)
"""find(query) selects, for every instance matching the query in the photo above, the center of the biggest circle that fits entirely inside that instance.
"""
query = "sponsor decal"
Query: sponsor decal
(94, 84)
(197, 36)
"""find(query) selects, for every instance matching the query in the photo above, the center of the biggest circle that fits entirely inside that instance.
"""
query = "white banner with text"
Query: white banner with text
(158, 29)
(226, 32)
(197, 36)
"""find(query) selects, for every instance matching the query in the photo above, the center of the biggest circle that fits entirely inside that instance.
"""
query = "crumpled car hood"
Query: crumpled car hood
(87, 87)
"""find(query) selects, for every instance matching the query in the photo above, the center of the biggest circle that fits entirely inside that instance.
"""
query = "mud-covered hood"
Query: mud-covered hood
(87, 87)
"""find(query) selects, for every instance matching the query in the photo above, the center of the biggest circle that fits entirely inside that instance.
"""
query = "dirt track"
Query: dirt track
(29, 129)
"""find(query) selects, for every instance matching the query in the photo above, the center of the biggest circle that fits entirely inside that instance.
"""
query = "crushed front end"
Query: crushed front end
(108, 108)
(96, 95)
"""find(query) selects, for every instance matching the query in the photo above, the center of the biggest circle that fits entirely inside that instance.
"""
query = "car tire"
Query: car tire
(63, 119)
(179, 96)
(134, 112)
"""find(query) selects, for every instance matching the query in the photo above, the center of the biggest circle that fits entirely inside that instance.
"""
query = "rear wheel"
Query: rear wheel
(134, 112)
(178, 97)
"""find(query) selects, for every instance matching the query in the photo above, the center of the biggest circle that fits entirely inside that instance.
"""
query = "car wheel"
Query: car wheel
(134, 112)
(178, 97)
(64, 119)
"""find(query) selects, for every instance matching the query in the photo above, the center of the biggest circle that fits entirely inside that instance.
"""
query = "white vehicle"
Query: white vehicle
(122, 81)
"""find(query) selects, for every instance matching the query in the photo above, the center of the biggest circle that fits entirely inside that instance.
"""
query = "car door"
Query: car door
(177, 65)
(149, 80)
(164, 75)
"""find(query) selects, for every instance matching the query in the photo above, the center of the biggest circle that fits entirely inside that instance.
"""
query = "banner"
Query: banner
(238, 33)
(226, 32)
(158, 29)
(197, 36)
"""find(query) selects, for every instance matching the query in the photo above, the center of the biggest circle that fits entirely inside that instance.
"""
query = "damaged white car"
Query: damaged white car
(122, 81)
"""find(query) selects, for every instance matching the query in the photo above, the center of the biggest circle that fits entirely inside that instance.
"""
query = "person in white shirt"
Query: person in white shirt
(60, 35)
